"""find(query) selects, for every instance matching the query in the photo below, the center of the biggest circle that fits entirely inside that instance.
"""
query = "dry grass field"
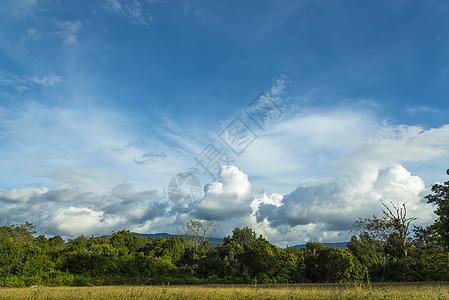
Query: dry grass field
(297, 291)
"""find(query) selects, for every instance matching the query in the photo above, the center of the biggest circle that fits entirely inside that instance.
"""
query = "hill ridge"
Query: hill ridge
(215, 241)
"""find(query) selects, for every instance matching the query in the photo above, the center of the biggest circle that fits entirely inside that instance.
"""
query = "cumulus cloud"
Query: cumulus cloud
(226, 199)
(73, 221)
(136, 207)
(335, 205)
(71, 211)
(33, 204)
(324, 212)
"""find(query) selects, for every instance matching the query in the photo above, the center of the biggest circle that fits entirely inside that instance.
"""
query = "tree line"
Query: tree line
(386, 248)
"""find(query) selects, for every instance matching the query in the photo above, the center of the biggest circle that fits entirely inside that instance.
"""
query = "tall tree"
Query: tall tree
(373, 233)
(198, 231)
(401, 224)
(440, 197)
(245, 237)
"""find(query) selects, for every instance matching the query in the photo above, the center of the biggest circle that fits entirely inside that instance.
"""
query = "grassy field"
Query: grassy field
(297, 291)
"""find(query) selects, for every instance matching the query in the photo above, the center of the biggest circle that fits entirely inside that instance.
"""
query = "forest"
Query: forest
(385, 248)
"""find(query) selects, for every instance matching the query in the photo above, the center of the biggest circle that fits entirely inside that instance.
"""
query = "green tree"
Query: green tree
(56, 242)
(245, 237)
(79, 243)
(21, 233)
(374, 233)
(127, 242)
(429, 261)
(172, 248)
(440, 198)
(327, 264)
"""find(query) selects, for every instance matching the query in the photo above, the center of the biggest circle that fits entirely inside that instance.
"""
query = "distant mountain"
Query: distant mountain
(213, 241)
(342, 245)
(155, 235)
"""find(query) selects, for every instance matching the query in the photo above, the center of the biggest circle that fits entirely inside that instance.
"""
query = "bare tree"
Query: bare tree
(198, 231)
(400, 222)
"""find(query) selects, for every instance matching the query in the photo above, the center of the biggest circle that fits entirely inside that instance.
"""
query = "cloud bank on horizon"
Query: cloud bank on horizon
(103, 102)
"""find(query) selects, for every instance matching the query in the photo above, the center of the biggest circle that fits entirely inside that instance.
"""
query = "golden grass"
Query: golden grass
(297, 291)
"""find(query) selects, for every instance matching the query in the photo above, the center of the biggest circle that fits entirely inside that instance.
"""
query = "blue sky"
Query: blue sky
(103, 102)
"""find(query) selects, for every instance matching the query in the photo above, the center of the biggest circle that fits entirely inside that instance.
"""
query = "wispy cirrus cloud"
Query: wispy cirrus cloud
(22, 8)
(133, 11)
(47, 80)
(149, 157)
(12, 82)
(88, 147)
(32, 34)
(421, 109)
(69, 32)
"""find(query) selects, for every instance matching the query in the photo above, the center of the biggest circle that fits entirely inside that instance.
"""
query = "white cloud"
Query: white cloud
(344, 161)
(305, 146)
(324, 213)
(21, 195)
(337, 204)
(70, 211)
(73, 221)
(310, 145)
(397, 144)
(83, 147)
(136, 207)
(227, 199)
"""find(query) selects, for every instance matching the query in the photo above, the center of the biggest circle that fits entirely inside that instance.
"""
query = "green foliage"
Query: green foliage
(327, 264)
(56, 242)
(440, 198)
(245, 237)
(126, 240)
(22, 233)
